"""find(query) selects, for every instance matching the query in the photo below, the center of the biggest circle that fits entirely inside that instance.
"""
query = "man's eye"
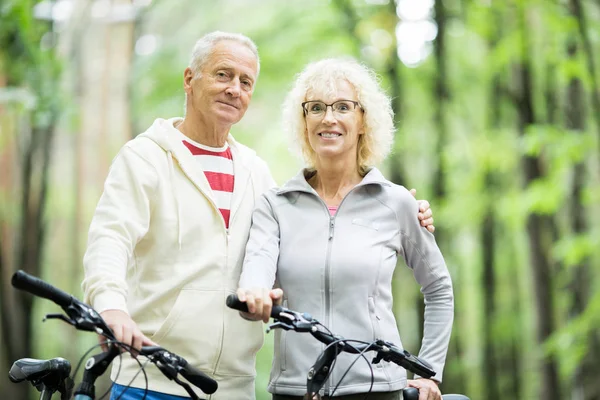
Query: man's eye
(221, 74)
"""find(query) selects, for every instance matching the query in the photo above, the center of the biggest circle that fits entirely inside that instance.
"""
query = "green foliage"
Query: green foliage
(481, 160)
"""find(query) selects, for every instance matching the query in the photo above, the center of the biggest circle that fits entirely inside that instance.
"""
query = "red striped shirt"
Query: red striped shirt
(217, 165)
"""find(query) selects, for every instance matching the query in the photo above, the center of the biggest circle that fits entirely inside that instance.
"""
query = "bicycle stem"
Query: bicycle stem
(95, 366)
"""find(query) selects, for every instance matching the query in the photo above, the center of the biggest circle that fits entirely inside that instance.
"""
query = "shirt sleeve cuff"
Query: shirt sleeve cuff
(109, 300)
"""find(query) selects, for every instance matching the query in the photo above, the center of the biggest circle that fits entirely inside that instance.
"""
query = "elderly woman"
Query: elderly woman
(331, 237)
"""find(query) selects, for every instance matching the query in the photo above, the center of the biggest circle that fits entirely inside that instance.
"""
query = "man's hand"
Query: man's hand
(428, 388)
(260, 301)
(125, 330)
(425, 214)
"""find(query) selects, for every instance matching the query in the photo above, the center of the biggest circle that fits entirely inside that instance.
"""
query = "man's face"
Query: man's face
(222, 92)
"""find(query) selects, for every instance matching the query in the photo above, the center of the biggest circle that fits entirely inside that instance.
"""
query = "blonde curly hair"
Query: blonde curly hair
(376, 142)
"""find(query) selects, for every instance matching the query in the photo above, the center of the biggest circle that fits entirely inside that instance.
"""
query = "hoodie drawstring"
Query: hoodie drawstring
(172, 178)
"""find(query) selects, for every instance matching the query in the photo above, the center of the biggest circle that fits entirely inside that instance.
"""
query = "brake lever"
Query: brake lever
(62, 317)
(164, 362)
(187, 388)
(291, 320)
(66, 388)
(280, 325)
(84, 318)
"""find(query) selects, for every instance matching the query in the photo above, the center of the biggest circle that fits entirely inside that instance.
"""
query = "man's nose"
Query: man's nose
(234, 89)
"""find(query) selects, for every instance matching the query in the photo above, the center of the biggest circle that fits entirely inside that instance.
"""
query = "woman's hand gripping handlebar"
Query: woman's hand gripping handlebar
(259, 302)
(284, 318)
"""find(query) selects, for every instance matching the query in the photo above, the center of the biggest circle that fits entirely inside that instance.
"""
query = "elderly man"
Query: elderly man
(167, 239)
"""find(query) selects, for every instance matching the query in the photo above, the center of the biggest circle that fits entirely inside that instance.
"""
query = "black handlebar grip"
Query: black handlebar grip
(410, 393)
(29, 283)
(207, 384)
(234, 302)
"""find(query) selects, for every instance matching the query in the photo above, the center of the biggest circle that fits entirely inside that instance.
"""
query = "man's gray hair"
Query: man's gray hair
(204, 47)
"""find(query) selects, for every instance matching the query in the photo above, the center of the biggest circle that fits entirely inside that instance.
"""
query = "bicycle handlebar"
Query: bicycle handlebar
(293, 320)
(23, 281)
(84, 317)
(234, 302)
(180, 365)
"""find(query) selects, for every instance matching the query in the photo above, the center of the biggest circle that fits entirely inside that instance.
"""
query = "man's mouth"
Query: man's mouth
(227, 104)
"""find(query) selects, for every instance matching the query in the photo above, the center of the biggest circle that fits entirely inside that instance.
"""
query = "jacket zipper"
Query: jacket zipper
(328, 388)
(222, 338)
(327, 283)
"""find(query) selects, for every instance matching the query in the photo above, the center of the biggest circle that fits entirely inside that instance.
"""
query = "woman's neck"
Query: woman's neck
(333, 182)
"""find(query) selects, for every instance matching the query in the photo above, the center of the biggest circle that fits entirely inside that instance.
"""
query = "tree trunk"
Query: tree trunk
(21, 239)
(578, 12)
(488, 235)
(455, 379)
(585, 381)
(536, 226)
(17, 306)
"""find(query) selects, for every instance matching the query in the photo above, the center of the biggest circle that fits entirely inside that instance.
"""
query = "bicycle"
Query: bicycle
(50, 376)
(319, 373)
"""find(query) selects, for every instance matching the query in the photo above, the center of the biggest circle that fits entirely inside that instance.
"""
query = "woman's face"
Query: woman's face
(334, 134)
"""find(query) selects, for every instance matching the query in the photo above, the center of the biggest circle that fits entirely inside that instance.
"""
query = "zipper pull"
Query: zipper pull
(331, 224)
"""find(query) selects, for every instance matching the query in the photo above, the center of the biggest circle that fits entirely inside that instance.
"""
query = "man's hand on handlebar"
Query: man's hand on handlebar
(125, 330)
(428, 388)
(260, 301)
(425, 214)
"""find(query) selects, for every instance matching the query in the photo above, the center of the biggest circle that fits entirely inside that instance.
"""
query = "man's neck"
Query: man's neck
(200, 131)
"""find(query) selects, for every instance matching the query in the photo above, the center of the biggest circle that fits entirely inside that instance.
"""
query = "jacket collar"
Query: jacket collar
(166, 136)
(299, 182)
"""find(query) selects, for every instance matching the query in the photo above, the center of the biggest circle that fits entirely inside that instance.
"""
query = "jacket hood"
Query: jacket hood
(164, 133)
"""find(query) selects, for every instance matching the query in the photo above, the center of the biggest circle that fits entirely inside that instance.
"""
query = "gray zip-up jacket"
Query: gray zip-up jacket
(339, 269)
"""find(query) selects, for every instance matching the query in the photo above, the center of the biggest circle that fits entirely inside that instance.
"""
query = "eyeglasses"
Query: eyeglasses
(316, 108)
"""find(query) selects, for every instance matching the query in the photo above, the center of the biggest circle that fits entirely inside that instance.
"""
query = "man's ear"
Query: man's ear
(188, 75)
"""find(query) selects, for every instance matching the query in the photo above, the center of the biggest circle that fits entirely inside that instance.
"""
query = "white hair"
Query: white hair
(376, 142)
(205, 45)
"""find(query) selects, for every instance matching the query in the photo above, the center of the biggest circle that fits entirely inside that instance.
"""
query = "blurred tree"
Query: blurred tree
(28, 65)
(588, 386)
(537, 223)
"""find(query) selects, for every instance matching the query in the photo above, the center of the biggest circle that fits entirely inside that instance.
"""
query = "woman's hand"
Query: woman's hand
(260, 301)
(428, 388)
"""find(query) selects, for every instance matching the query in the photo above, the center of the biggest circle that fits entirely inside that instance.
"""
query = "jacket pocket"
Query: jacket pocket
(374, 319)
(194, 327)
(366, 223)
(376, 326)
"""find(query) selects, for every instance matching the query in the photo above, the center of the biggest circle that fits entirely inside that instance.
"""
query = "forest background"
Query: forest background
(497, 108)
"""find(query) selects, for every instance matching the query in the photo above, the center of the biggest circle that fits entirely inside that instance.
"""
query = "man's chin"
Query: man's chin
(228, 118)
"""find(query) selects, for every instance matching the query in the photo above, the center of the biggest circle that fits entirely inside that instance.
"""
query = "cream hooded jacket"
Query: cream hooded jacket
(158, 249)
